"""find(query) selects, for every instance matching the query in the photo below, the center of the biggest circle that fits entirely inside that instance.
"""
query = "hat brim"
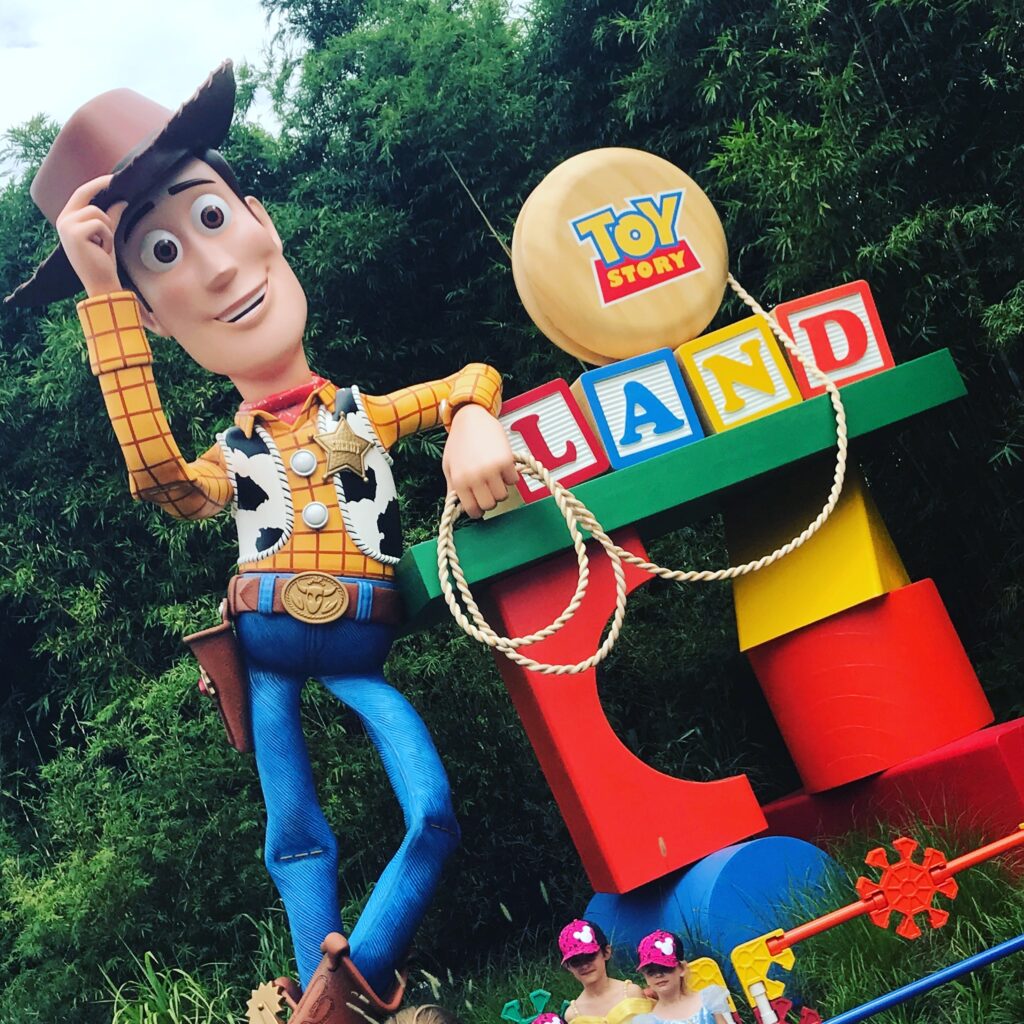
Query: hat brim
(200, 123)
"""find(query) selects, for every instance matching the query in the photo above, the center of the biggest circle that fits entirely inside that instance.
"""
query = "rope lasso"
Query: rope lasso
(576, 515)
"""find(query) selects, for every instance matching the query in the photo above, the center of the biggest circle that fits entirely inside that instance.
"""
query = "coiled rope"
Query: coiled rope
(577, 515)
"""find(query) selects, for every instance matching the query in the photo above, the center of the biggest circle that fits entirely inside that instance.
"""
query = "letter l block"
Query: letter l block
(548, 424)
(639, 407)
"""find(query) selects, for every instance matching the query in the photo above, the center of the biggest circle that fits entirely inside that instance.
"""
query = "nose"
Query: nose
(220, 267)
(223, 277)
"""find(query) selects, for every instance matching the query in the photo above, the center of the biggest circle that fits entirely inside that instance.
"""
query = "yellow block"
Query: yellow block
(850, 560)
(751, 961)
(737, 374)
(704, 972)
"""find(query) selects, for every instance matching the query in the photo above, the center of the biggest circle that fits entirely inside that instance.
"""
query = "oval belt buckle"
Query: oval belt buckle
(314, 597)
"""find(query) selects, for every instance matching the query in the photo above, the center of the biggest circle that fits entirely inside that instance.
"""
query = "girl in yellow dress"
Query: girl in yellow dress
(585, 951)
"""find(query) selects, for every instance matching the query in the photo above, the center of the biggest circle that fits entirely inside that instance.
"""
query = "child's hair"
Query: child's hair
(599, 936)
(428, 1013)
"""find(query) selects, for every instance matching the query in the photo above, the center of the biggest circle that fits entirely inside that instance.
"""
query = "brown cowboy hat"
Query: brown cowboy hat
(136, 138)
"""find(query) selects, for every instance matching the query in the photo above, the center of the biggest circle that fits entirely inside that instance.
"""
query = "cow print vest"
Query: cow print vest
(263, 510)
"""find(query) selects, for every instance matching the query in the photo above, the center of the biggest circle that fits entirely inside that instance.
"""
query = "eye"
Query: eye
(160, 251)
(210, 214)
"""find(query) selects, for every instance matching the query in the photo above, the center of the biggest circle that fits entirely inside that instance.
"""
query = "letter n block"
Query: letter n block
(548, 424)
(639, 407)
(737, 374)
(838, 328)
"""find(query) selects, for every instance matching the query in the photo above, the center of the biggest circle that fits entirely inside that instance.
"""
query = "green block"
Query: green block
(670, 490)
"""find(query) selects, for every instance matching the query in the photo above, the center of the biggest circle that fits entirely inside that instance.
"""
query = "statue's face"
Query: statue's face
(211, 268)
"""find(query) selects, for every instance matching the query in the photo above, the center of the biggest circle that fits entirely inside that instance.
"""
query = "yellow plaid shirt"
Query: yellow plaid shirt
(120, 356)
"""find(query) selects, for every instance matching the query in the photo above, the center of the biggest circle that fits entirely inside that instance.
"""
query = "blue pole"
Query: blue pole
(926, 984)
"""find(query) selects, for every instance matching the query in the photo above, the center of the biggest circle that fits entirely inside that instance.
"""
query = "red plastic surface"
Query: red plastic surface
(976, 782)
(871, 687)
(630, 823)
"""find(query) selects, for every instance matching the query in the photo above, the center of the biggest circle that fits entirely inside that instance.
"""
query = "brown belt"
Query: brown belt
(315, 597)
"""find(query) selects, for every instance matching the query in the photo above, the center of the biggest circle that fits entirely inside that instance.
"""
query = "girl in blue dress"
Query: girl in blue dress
(664, 970)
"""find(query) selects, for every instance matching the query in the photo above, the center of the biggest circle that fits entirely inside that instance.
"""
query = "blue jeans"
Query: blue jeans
(346, 655)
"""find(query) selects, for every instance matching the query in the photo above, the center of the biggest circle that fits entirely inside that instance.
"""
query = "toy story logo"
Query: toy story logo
(638, 248)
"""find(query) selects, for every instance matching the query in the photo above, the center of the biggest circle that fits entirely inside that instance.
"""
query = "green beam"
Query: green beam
(670, 490)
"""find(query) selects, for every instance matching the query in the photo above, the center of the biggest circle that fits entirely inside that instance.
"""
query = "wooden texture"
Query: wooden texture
(617, 252)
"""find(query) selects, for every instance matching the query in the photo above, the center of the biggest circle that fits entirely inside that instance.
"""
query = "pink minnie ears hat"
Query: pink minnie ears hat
(576, 938)
(548, 1018)
(658, 948)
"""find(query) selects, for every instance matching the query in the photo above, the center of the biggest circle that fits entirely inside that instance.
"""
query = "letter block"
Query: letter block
(548, 424)
(850, 560)
(737, 374)
(639, 407)
(838, 328)
(592, 774)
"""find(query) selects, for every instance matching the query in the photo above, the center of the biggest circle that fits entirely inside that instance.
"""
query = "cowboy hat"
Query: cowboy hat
(138, 140)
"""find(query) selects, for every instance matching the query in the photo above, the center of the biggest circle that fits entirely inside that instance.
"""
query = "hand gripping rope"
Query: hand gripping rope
(577, 515)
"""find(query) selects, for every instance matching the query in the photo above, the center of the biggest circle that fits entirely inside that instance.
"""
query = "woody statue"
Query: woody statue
(153, 225)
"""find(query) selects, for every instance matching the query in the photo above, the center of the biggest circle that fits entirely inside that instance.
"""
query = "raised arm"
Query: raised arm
(120, 357)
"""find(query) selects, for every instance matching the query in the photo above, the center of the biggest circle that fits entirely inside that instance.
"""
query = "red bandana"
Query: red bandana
(285, 405)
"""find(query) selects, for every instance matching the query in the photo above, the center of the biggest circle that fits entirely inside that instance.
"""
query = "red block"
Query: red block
(547, 423)
(840, 329)
(630, 824)
(976, 782)
(871, 687)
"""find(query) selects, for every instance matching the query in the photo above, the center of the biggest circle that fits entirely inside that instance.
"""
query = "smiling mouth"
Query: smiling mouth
(245, 306)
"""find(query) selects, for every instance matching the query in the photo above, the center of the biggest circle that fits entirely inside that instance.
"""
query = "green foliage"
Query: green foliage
(879, 140)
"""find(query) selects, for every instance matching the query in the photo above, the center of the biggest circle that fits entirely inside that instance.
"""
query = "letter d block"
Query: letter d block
(737, 374)
(639, 407)
(548, 424)
(839, 329)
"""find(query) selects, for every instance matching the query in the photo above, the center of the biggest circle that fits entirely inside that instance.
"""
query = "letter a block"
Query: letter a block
(737, 374)
(547, 424)
(839, 329)
(639, 407)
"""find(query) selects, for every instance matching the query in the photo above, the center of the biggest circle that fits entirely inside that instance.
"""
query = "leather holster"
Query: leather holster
(224, 679)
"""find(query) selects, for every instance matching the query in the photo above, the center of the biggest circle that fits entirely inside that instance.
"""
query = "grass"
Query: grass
(835, 971)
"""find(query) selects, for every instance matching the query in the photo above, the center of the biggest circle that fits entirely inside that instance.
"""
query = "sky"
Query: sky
(54, 56)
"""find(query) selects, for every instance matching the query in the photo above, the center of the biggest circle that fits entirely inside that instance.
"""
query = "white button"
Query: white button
(314, 515)
(303, 462)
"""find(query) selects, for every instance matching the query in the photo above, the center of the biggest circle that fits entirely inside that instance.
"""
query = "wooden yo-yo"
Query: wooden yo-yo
(617, 252)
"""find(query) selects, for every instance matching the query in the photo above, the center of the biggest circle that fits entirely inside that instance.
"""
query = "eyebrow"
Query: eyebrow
(173, 190)
(136, 217)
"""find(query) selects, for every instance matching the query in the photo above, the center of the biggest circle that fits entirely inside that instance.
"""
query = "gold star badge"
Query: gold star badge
(344, 448)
